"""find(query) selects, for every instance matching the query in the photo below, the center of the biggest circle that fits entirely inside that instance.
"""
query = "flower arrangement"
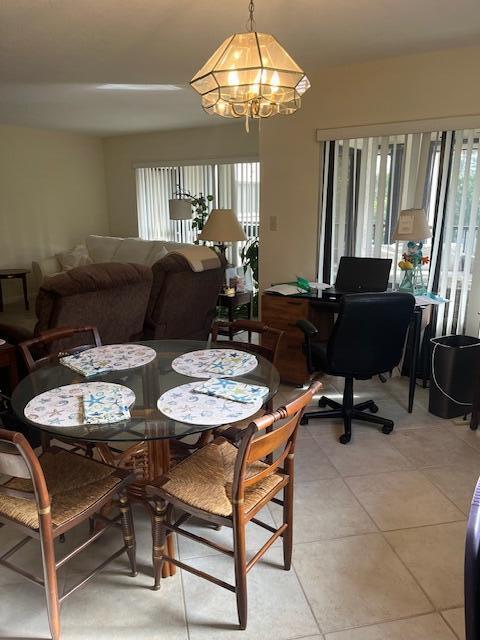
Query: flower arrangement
(411, 265)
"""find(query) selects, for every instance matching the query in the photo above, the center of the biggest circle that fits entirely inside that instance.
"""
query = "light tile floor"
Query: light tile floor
(379, 535)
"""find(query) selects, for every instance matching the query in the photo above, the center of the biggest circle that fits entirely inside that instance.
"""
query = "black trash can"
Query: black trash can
(455, 366)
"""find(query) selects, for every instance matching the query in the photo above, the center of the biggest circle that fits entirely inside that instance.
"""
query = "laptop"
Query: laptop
(360, 275)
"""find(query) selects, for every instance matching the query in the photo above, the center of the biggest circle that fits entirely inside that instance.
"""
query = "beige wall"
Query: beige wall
(194, 145)
(52, 193)
(433, 85)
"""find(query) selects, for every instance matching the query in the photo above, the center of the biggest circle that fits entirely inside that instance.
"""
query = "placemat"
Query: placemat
(111, 357)
(63, 406)
(185, 405)
(206, 363)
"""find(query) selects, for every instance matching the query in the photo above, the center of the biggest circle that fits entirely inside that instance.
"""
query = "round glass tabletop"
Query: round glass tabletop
(148, 382)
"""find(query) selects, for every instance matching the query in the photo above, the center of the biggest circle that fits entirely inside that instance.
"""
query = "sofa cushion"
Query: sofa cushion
(157, 252)
(132, 250)
(102, 248)
(76, 258)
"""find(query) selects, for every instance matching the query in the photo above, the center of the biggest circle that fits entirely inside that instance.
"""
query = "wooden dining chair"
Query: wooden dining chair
(51, 345)
(269, 337)
(47, 496)
(55, 343)
(228, 486)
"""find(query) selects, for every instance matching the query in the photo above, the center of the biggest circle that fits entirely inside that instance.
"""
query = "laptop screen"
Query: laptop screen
(362, 274)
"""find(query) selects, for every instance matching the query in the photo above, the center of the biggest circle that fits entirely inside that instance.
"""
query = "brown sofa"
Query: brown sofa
(111, 296)
(182, 302)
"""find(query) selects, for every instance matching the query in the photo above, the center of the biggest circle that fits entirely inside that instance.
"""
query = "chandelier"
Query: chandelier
(250, 75)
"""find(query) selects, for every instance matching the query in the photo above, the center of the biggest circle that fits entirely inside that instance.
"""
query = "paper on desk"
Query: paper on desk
(283, 289)
(319, 285)
(429, 298)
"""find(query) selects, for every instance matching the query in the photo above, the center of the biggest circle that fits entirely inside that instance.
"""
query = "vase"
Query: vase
(407, 282)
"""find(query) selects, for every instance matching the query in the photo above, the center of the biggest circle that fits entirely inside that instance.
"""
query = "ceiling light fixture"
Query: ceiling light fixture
(250, 75)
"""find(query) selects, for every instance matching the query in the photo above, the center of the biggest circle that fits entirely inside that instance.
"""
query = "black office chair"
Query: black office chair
(367, 340)
(472, 569)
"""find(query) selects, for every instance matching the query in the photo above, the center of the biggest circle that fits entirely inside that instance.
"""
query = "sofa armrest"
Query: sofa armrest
(45, 267)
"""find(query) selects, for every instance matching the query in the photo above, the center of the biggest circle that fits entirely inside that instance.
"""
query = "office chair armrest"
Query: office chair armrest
(309, 330)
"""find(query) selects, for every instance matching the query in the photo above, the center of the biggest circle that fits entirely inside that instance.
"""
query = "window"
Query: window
(368, 181)
(233, 185)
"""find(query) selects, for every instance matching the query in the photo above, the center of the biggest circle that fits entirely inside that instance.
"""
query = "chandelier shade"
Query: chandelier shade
(250, 75)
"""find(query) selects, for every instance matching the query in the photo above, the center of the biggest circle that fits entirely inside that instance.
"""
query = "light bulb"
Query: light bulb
(233, 79)
(275, 81)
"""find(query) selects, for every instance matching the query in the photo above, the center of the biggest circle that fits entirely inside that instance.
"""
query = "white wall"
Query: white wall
(433, 85)
(52, 194)
(194, 146)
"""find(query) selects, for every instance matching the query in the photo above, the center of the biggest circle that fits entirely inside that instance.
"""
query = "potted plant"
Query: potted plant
(249, 255)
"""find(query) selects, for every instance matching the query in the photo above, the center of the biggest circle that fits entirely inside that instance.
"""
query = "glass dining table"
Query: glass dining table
(143, 441)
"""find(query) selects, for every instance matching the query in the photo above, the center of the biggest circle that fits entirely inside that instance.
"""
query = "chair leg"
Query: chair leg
(50, 577)
(159, 540)
(288, 520)
(240, 559)
(128, 532)
(347, 411)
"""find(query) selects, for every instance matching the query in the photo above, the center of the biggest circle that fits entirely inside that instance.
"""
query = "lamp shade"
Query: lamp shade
(412, 224)
(180, 209)
(250, 75)
(222, 226)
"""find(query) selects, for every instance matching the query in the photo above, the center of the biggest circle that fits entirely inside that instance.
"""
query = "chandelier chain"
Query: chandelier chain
(251, 19)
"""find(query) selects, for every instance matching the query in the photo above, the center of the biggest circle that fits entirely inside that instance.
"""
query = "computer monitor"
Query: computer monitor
(362, 274)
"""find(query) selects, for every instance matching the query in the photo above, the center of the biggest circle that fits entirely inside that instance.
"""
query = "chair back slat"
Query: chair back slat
(18, 460)
(266, 444)
(51, 344)
(12, 463)
(253, 479)
(270, 337)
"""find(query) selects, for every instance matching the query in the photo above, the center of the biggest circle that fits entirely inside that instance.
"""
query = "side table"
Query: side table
(11, 274)
(8, 359)
(233, 302)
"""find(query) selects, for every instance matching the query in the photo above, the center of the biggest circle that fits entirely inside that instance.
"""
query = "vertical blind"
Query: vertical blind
(233, 186)
(368, 181)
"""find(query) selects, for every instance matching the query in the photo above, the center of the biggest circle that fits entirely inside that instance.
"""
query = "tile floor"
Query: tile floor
(379, 535)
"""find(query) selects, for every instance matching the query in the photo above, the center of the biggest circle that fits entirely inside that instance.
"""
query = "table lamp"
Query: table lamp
(222, 226)
(180, 209)
(412, 228)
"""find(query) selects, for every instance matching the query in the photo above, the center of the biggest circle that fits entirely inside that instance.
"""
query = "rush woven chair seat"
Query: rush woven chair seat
(47, 496)
(227, 486)
(74, 484)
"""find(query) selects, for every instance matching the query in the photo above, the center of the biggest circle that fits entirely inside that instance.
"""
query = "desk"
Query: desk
(282, 312)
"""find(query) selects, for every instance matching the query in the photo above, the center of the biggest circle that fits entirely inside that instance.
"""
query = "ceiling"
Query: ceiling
(55, 55)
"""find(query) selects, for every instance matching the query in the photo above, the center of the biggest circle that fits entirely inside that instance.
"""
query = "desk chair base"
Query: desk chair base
(348, 412)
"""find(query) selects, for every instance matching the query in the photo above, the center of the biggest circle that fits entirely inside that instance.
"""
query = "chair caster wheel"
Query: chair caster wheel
(304, 420)
(374, 408)
(345, 438)
(322, 403)
(386, 429)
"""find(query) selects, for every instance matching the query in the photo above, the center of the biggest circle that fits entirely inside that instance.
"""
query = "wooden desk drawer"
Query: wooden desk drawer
(282, 309)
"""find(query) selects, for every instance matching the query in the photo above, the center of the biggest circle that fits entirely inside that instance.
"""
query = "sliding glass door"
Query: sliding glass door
(368, 181)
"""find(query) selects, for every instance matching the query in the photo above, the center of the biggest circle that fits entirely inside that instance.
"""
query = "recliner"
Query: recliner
(367, 340)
